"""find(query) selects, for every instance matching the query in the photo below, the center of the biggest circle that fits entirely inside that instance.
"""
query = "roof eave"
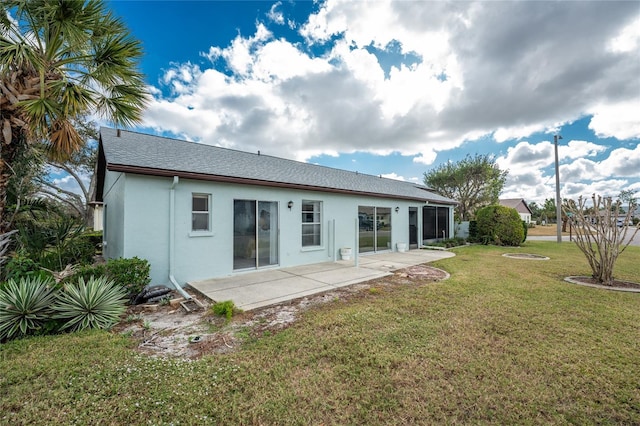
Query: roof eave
(148, 171)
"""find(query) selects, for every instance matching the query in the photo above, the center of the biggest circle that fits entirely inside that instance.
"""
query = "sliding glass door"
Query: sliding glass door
(255, 234)
(374, 230)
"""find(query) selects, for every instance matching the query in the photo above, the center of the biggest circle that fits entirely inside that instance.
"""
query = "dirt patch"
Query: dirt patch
(617, 285)
(527, 256)
(169, 331)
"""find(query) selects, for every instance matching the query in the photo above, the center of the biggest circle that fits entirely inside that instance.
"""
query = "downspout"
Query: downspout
(172, 239)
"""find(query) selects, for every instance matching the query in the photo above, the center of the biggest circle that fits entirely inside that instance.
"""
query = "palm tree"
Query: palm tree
(60, 60)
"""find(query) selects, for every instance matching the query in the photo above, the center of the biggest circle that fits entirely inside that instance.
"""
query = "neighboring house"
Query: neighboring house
(196, 211)
(520, 205)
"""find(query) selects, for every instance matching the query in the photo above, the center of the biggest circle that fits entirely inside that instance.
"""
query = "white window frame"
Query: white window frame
(201, 212)
(313, 224)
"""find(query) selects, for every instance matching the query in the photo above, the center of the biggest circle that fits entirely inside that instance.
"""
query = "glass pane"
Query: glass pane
(443, 222)
(200, 203)
(383, 228)
(429, 231)
(267, 233)
(366, 223)
(244, 234)
(311, 235)
(413, 225)
(200, 221)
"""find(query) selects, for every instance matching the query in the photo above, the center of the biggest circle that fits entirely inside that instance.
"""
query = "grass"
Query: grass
(503, 341)
(544, 230)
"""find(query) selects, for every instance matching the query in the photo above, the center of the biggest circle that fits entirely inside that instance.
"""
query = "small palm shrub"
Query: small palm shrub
(25, 306)
(96, 303)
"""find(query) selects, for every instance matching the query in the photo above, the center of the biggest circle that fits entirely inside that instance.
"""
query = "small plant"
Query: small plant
(133, 318)
(25, 306)
(225, 309)
(146, 325)
(98, 303)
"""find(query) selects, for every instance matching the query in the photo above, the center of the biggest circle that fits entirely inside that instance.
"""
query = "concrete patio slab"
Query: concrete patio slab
(257, 289)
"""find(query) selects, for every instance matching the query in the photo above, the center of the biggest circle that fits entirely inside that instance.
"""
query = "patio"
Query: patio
(257, 289)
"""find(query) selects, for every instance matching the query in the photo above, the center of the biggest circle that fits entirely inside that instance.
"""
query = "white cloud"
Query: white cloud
(506, 69)
(628, 40)
(619, 120)
(275, 15)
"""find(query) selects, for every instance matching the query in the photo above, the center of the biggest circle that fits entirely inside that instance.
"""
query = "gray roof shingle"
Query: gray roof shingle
(148, 154)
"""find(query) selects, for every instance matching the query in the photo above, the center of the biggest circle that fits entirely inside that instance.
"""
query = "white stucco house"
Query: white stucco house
(196, 211)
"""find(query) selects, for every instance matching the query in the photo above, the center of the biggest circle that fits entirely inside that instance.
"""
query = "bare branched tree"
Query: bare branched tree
(602, 233)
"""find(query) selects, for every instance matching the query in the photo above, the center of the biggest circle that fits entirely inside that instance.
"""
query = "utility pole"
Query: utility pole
(558, 201)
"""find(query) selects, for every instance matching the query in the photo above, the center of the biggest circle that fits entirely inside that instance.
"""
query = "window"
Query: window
(200, 212)
(311, 223)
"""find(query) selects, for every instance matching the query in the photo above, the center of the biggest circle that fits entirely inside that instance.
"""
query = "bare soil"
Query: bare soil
(615, 283)
(170, 331)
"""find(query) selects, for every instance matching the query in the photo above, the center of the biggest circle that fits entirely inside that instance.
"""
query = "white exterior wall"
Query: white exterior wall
(113, 212)
(144, 224)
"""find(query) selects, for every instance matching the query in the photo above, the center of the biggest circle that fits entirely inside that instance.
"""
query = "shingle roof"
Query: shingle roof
(517, 203)
(154, 155)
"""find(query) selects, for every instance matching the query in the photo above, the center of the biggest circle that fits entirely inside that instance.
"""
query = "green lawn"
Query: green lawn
(503, 341)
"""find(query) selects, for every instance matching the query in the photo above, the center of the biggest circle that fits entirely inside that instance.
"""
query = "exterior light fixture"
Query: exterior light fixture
(290, 204)
(558, 201)
(397, 209)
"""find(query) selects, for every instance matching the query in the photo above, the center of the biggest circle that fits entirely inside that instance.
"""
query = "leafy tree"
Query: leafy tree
(548, 210)
(473, 181)
(535, 210)
(59, 60)
(598, 235)
(627, 196)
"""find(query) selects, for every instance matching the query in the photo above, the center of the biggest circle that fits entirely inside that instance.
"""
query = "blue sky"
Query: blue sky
(397, 88)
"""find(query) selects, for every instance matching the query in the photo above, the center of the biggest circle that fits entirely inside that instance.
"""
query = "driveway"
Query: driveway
(267, 287)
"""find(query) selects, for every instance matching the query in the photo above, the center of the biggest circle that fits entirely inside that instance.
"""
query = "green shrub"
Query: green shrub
(55, 242)
(96, 303)
(500, 225)
(25, 306)
(95, 239)
(131, 274)
(21, 266)
(225, 309)
(525, 228)
(474, 237)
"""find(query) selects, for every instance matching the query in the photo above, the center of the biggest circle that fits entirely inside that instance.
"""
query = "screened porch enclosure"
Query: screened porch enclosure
(435, 223)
